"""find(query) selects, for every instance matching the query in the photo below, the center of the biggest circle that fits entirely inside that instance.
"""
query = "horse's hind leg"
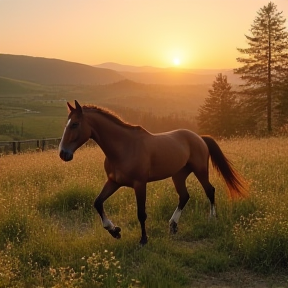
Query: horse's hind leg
(179, 181)
(203, 177)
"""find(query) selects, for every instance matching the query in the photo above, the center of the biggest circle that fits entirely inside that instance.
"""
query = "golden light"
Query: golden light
(176, 61)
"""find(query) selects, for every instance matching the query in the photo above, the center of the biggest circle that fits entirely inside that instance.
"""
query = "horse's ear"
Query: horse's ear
(78, 107)
(70, 107)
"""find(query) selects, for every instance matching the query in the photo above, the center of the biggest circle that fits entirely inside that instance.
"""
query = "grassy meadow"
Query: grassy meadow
(50, 235)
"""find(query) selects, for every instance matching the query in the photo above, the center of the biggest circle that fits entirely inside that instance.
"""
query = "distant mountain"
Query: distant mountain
(151, 69)
(53, 71)
(178, 78)
(58, 72)
(128, 68)
(170, 76)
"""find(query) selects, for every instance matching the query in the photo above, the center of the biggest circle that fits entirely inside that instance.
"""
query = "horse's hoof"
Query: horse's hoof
(143, 241)
(115, 232)
(173, 227)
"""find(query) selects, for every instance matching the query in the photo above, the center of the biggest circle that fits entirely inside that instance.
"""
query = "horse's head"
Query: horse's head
(76, 132)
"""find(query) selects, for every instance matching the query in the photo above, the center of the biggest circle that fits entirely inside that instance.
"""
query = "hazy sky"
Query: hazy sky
(199, 33)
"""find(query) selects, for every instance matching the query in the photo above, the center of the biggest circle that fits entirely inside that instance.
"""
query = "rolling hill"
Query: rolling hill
(58, 72)
(170, 76)
(128, 68)
(54, 72)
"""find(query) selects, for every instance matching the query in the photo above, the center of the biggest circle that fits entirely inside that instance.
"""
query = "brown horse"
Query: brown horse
(134, 157)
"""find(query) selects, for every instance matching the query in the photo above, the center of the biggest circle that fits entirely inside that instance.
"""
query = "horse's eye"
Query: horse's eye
(74, 125)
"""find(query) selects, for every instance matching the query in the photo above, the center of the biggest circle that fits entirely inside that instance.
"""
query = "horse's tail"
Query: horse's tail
(234, 181)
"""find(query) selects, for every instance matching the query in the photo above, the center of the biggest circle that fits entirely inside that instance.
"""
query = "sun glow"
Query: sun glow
(176, 61)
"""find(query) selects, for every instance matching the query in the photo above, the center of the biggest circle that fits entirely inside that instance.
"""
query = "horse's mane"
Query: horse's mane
(111, 116)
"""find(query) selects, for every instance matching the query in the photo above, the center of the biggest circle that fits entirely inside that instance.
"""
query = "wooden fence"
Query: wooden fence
(8, 147)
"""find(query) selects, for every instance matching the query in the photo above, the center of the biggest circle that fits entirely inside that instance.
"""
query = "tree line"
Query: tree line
(152, 122)
(260, 104)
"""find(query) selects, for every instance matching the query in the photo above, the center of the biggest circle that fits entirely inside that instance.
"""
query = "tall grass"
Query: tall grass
(50, 235)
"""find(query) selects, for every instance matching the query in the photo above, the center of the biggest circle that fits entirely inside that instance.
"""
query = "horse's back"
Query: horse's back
(183, 138)
(171, 151)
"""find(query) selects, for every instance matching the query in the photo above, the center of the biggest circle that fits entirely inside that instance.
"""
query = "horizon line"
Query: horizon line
(121, 64)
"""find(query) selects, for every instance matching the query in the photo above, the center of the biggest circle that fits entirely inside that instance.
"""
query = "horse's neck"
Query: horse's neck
(111, 137)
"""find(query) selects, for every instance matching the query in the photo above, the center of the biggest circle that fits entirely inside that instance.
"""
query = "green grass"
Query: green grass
(12, 86)
(51, 236)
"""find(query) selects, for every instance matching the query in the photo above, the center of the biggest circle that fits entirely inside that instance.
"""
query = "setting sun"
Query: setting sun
(191, 41)
(176, 61)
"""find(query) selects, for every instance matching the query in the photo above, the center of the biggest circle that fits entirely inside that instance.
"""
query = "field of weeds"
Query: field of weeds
(51, 236)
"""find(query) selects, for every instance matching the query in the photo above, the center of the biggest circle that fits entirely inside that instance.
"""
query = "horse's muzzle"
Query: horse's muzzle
(66, 155)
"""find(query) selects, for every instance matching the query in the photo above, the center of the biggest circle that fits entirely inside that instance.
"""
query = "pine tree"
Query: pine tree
(282, 107)
(217, 114)
(265, 64)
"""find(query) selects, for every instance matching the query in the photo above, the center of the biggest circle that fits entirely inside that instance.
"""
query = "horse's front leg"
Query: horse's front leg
(109, 188)
(140, 192)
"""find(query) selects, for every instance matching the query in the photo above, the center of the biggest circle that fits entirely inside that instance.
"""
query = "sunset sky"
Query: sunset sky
(186, 33)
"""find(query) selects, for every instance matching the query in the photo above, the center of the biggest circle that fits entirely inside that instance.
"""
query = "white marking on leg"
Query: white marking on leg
(213, 211)
(176, 215)
(107, 224)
